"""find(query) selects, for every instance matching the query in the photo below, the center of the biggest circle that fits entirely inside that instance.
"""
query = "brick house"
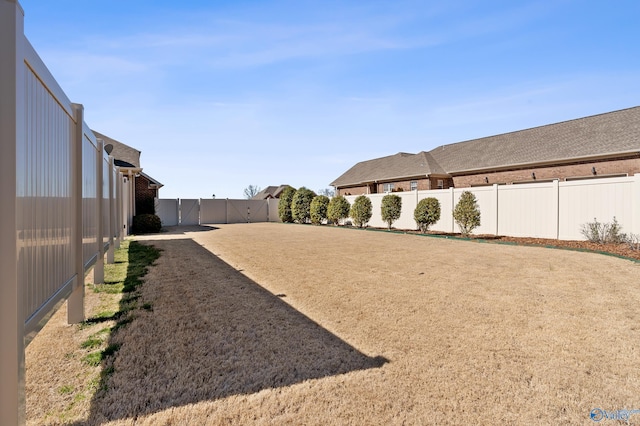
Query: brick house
(596, 146)
(140, 189)
(269, 192)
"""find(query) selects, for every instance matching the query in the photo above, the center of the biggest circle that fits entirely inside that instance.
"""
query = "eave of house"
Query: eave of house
(153, 183)
(387, 179)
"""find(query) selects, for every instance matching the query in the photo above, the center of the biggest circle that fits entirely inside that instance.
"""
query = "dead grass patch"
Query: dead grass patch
(81, 372)
(285, 324)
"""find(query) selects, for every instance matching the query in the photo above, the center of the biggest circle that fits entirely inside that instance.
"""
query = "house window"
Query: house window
(414, 185)
(388, 187)
(440, 184)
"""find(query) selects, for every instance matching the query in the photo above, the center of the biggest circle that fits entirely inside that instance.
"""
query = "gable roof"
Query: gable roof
(123, 154)
(599, 136)
(153, 183)
(400, 165)
(269, 192)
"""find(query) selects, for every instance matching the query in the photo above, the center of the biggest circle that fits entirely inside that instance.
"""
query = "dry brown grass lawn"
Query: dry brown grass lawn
(288, 324)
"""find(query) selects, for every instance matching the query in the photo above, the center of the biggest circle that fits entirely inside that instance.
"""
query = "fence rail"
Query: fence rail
(554, 210)
(61, 209)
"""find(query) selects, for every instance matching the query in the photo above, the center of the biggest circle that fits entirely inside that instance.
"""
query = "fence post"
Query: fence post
(112, 213)
(12, 133)
(556, 206)
(118, 216)
(453, 206)
(98, 268)
(496, 193)
(635, 206)
(75, 303)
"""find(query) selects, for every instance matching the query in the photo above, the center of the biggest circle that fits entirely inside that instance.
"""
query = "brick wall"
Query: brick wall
(144, 196)
(405, 185)
(356, 190)
(446, 183)
(629, 166)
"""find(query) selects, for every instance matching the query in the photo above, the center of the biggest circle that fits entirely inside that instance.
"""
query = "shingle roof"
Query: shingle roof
(269, 191)
(602, 135)
(401, 164)
(121, 151)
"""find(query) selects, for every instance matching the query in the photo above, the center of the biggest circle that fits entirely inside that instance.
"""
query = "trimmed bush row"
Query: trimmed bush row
(304, 206)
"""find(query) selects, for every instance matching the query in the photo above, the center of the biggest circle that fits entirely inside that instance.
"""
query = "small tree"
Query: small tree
(284, 205)
(319, 207)
(427, 213)
(301, 205)
(466, 213)
(250, 191)
(391, 208)
(360, 211)
(338, 209)
(327, 192)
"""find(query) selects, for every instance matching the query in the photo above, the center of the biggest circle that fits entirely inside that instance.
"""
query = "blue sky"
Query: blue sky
(219, 95)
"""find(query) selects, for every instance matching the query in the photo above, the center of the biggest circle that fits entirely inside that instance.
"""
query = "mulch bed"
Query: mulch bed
(620, 249)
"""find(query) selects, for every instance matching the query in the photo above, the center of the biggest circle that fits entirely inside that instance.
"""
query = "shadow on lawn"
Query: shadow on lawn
(206, 337)
(183, 229)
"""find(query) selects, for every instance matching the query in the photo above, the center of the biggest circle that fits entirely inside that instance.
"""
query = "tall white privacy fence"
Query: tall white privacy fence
(554, 210)
(195, 212)
(61, 205)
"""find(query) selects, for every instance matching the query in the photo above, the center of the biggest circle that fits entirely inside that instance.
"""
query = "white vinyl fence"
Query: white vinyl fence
(215, 211)
(61, 209)
(555, 210)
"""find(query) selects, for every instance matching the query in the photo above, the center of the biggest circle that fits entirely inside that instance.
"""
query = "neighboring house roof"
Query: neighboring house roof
(604, 135)
(269, 192)
(600, 136)
(154, 184)
(123, 154)
(400, 165)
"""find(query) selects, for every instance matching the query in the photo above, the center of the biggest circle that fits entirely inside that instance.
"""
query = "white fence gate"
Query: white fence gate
(212, 211)
(169, 211)
(554, 210)
(190, 212)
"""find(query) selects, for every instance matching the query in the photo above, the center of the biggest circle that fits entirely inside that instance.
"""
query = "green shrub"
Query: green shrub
(391, 208)
(146, 224)
(146, 205)
(361, 211)
(301, 205)
(427, 213)
(466, 213)
(603, 233)
(284, 205)
(319, 207)
(338, 209)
